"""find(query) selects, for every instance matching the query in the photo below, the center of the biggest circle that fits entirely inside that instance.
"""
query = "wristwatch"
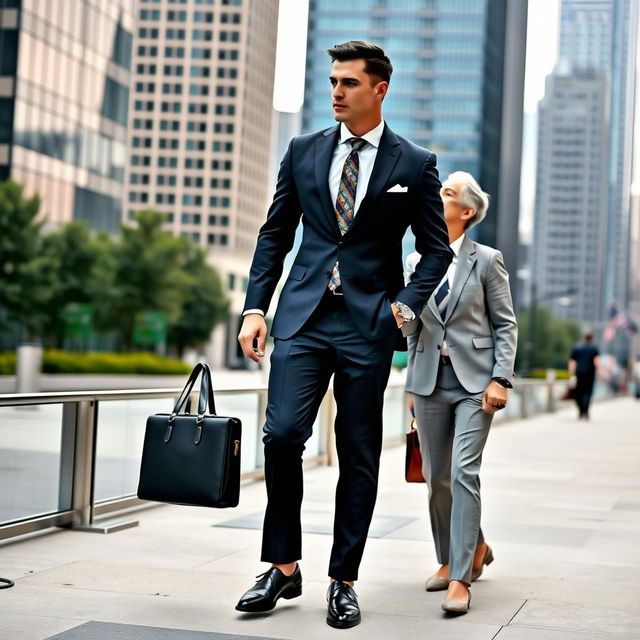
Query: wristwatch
(405, 311)
(503, 382)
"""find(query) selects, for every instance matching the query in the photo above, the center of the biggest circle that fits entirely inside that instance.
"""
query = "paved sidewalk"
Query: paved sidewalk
(561, 510)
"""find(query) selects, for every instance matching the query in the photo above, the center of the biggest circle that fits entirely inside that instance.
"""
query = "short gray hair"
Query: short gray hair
(471, 196)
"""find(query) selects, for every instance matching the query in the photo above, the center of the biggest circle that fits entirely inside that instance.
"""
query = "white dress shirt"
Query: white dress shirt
(414, 258)
(451, 274)
(366, 157)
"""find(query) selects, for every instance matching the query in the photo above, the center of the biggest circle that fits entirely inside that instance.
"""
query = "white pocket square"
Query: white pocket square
(398, 189)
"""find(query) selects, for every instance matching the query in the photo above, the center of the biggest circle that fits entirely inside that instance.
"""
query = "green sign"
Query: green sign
(150, 328)
(78, 320)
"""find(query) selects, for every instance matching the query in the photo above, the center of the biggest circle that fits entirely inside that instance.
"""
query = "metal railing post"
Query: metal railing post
(67, 455)
(83, 464)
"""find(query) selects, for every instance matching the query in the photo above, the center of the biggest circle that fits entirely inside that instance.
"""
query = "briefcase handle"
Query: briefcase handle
(206, 392)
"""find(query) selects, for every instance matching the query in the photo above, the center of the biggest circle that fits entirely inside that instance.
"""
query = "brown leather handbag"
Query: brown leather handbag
(413, 458)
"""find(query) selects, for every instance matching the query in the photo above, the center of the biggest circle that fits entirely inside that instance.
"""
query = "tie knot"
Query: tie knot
(357, 144)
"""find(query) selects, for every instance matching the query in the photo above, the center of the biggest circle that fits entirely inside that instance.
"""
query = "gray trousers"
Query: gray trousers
(453, 430)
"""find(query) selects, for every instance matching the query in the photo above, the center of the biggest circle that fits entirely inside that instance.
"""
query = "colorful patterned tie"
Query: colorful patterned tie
(442, 298)
(346, 200)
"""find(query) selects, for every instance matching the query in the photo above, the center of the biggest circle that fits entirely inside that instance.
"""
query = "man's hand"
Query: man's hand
(253, 327)
(494, 398)
(396, 315)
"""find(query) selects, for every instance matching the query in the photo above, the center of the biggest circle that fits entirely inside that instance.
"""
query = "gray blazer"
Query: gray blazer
(479, 325)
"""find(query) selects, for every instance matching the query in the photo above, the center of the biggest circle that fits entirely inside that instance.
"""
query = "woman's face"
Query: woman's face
(453, 209)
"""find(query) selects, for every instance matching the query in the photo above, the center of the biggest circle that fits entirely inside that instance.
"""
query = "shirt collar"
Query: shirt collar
(456, 244)
(372, 137)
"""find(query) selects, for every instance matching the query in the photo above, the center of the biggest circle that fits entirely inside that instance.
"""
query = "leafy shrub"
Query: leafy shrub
(58, 361)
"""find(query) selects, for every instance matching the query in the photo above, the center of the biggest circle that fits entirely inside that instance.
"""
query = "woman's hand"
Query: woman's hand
(494, 398)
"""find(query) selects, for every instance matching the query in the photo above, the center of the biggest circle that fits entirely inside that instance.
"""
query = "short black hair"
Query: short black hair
(376, 62)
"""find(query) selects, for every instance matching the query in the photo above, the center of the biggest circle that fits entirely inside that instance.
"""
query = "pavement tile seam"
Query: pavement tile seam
(581, 633)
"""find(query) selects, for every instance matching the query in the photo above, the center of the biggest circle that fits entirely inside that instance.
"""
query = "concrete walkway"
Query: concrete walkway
(561, 510)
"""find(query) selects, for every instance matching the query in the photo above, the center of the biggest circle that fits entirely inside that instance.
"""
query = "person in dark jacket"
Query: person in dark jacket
(583, 364)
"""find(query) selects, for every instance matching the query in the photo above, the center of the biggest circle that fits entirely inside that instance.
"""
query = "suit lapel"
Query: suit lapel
(325, 145)
(434, 307)
(388, 154)
(466, 260)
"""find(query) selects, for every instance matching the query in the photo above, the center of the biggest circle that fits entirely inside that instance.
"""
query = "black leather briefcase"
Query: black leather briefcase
(192, 459)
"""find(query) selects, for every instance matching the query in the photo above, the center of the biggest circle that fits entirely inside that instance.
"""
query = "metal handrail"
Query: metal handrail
(78, 451)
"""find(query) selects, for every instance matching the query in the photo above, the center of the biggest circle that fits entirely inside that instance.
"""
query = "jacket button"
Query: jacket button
(438, 347)
(340, 244)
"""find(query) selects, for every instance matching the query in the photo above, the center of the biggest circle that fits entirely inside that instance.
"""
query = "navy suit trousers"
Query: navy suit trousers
(301, 367)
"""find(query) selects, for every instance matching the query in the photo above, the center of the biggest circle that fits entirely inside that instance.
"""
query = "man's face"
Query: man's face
(453, 209)
(353, 96)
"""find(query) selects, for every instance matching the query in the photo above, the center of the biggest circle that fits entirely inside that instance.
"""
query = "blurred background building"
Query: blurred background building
(585, 145)
(457, 87)
(200, 131)
(64, 94)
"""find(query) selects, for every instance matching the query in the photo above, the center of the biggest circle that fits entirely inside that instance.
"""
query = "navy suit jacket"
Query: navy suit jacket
(370, 252)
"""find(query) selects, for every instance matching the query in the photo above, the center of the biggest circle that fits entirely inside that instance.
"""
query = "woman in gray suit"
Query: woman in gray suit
(461, 356)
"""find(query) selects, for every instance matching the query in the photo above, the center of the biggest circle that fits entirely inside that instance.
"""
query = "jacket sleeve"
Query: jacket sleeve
(432, 240)
(275, 239)
(501, 317)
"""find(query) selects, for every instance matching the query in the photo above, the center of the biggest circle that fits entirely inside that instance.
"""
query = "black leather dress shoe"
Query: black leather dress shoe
(271, 586)
(344, 611)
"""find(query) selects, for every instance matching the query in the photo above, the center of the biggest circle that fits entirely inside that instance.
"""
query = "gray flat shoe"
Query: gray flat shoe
(453, 606)
(487, 560)
(434, 583)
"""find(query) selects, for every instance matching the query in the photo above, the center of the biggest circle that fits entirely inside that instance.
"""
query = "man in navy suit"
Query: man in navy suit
(357, 187)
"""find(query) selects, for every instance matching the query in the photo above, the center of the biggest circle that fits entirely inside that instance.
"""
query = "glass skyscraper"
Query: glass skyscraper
(64, 94)
(457, 87)
(602, 35)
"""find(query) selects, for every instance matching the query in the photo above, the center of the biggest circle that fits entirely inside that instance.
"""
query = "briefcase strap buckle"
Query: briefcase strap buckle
(167, 433)
(198, 434)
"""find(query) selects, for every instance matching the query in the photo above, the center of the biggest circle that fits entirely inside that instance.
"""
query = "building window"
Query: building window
(200, 72)
(203, 16)
(231, 281)
(174, 52)
(198, 90)
(176, 34)
(199, 52)
(203, 34)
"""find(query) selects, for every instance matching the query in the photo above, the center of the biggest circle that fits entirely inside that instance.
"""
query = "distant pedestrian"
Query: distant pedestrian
(583, 364)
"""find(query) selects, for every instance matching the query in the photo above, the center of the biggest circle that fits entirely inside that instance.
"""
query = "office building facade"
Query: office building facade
(200, 132)
(457, 87)
(64, 93)
(201, 117)
(570, 233)
(602, 35)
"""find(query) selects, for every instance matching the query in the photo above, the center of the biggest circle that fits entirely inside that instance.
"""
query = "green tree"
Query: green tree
(27, 275)
(74, 251)
(205, 304)
(544, 340)
(148, 274)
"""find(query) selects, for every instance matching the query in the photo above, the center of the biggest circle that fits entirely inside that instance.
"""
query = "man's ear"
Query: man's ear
(381, 89)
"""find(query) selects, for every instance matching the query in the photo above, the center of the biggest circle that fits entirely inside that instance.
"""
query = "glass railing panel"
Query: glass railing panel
(394, 423)
(30, 461)
(243, 406)
(121, 426)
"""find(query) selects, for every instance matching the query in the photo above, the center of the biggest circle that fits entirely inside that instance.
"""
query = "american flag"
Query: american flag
(618, 320)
